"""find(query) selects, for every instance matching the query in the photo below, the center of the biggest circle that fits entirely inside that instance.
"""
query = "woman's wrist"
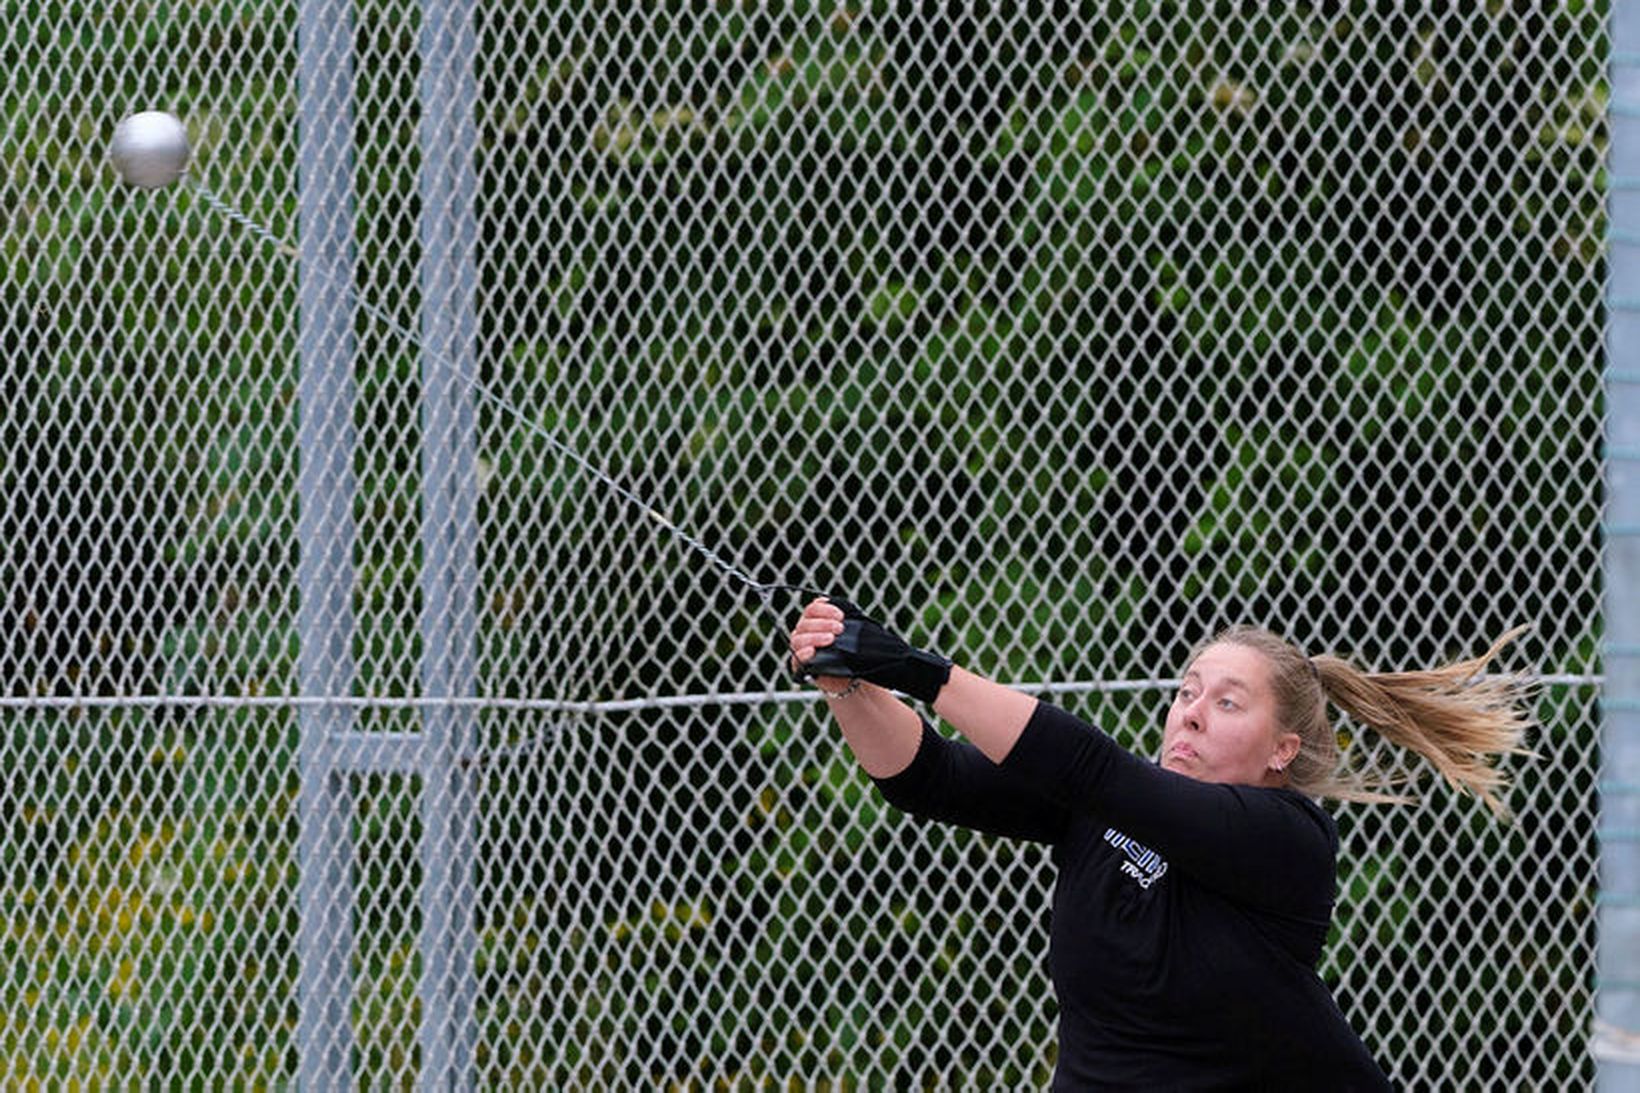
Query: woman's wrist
(850, 686)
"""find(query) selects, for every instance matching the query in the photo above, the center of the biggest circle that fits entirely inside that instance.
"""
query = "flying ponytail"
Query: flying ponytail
(1456, 717)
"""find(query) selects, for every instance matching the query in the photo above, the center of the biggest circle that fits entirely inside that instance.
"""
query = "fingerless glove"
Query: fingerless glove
(870, 651)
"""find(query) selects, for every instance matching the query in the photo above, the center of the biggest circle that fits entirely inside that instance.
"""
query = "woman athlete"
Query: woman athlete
(1193, 895)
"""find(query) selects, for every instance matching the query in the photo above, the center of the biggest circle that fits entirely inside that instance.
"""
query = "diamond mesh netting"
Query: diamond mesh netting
(1058, 335)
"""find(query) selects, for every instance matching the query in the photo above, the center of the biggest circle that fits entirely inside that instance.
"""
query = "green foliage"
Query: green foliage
(148, 940)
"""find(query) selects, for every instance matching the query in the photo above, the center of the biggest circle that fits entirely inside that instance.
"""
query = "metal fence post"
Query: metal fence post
(1616, 1041)
(325, 530)
(449, 278)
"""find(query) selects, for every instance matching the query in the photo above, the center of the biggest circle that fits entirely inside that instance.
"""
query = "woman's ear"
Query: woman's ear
(1287, 745)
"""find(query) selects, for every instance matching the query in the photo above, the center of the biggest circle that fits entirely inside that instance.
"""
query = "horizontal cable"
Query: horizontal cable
(555, 705)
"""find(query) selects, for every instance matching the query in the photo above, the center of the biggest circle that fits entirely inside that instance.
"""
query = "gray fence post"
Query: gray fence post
(326, 537)
(449, 239)
(1617, 1031)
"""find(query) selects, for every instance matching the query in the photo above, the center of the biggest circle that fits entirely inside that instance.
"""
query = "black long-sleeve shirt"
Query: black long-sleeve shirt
(1188, 916)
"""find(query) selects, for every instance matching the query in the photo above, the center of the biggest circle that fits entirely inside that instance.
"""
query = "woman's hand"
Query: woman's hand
(816, 628)
(849, 643)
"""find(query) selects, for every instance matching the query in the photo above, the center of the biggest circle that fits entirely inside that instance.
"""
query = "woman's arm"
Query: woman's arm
(918, 770)
(990, 715)
(881, 731)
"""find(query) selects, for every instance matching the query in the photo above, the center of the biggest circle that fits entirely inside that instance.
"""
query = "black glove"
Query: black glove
(867, 650)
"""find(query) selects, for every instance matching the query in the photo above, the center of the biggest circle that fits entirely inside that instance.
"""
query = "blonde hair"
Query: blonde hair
(1455, 717)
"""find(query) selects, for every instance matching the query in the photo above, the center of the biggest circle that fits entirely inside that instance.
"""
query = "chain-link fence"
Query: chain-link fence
(1058, 334)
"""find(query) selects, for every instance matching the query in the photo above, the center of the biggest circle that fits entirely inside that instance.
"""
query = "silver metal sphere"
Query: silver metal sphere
(150, 149)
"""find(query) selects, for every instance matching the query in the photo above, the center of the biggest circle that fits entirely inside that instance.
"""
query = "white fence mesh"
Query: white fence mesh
(1058, 334)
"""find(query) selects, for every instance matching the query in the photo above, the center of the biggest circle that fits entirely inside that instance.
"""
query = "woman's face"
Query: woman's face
(1222, 725)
